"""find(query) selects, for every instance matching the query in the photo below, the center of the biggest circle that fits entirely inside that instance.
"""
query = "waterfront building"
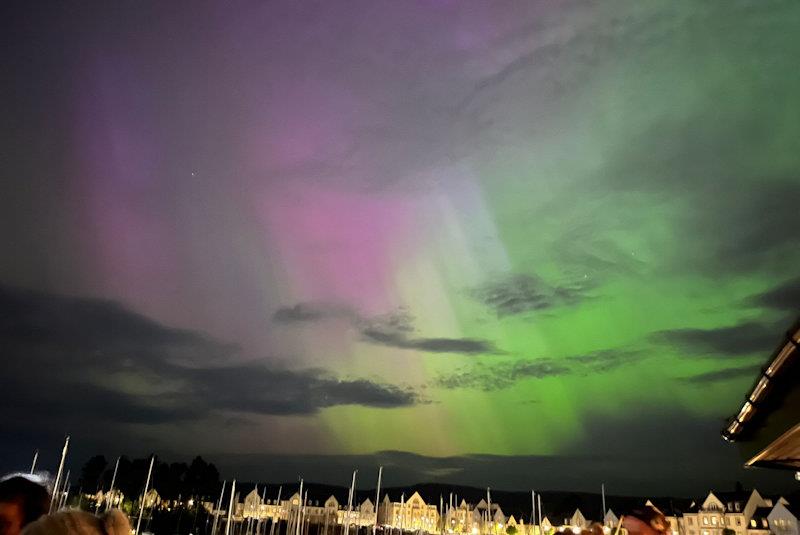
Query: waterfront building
(783, 519)
(362, 515)
(578, 520)
(412, 514)
(610, 520)
(547, 526)
(743, 513)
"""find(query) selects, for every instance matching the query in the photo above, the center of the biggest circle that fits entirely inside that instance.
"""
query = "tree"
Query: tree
(202, 478)
(92, 472)
(131, 476)
(511, 530)
(169, 480)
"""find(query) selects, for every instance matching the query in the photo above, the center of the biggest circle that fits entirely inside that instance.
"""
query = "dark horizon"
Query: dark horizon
(405, 470)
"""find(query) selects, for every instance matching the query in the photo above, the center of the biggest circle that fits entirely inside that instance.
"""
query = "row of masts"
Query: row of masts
(297, 521)
(61, 486)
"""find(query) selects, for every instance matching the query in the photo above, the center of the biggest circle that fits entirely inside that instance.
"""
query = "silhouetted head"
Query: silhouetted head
(646, 521)
(23, 499)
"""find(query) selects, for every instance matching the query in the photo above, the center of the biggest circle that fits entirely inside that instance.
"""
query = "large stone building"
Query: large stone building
(410, 514)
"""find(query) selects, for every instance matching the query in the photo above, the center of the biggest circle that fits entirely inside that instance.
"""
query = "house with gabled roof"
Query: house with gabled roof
(578, 520)
(784, 519)
(610, 519)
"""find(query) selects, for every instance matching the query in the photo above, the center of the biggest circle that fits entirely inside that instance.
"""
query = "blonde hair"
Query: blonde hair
(80, 523)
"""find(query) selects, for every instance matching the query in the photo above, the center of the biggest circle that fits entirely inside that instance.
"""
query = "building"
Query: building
(720, 511)
(759, 522)
(412, 514)
(610, 520)
(578, 520)
(783, 519)
(362, 515)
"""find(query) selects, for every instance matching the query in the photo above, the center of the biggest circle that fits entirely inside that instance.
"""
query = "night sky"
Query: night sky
(535, 244)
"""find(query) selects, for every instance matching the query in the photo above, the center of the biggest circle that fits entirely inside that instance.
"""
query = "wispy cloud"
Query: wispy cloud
(731, 341)
(468, 346)
(310, 312)
(394, 329)
(517, 294)
(500, 375)
(722, 375)
(784, 297)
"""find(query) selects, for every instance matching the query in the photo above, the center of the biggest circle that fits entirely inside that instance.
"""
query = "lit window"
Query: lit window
(714, 520)
(705, 520)
(753, 524)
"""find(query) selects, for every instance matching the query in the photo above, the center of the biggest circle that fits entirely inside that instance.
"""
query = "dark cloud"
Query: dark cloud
(467, 346)
(523, 293)
(784, 297)
(723, 375)
(394, 329)
(604, 360)
(72, 359)
(490, 377)
(754, 229)
(257, 389)
(310, 312)
(499, 375)
(87, 327)
(742, 339)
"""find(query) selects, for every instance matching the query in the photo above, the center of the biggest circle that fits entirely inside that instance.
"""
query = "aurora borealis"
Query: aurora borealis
(538, 231)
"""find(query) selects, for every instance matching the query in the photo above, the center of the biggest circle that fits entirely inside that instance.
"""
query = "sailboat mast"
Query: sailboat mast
(111, 490)
(539, 500)
(35, 457)
(230, 509)
(144, 494)
(57, 482)
(603, 494)
(350, 503)
(299, 510)
(377, 499)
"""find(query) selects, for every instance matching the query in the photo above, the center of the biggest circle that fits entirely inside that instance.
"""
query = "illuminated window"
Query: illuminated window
(705, 520)
(714, 520)
(753, 524)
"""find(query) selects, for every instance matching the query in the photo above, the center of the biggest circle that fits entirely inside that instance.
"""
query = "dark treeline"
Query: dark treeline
(175, 480)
